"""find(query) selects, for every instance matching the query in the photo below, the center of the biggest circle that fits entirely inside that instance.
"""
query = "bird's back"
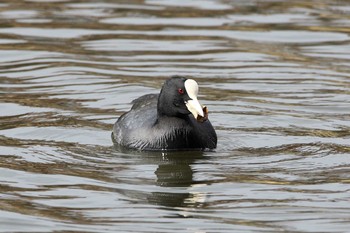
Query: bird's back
(133, 127)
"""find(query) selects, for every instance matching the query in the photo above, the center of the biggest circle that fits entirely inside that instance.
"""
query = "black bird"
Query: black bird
(171, 120)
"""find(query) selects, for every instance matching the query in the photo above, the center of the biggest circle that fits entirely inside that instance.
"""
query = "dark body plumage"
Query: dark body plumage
(162, 122)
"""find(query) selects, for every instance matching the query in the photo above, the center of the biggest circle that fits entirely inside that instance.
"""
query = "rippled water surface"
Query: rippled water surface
(275, 76)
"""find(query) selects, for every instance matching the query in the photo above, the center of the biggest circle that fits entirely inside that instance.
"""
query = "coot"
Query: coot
(171, 120)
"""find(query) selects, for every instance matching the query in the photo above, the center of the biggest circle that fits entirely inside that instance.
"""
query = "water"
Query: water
(274, 75)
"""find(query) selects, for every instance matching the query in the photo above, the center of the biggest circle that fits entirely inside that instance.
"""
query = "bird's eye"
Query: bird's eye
(180, 90)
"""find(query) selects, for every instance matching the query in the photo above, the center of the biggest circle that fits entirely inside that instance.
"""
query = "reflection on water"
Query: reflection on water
(274, 74)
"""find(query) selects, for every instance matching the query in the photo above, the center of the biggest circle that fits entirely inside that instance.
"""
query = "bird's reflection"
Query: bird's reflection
(174, 175)
(175, 170)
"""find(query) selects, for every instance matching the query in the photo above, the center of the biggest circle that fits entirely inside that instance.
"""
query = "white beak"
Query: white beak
(193, 105)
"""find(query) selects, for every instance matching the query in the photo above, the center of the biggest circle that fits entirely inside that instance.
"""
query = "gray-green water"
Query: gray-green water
(274, 75)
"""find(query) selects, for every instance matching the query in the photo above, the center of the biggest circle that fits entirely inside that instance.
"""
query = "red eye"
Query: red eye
(180, 90)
